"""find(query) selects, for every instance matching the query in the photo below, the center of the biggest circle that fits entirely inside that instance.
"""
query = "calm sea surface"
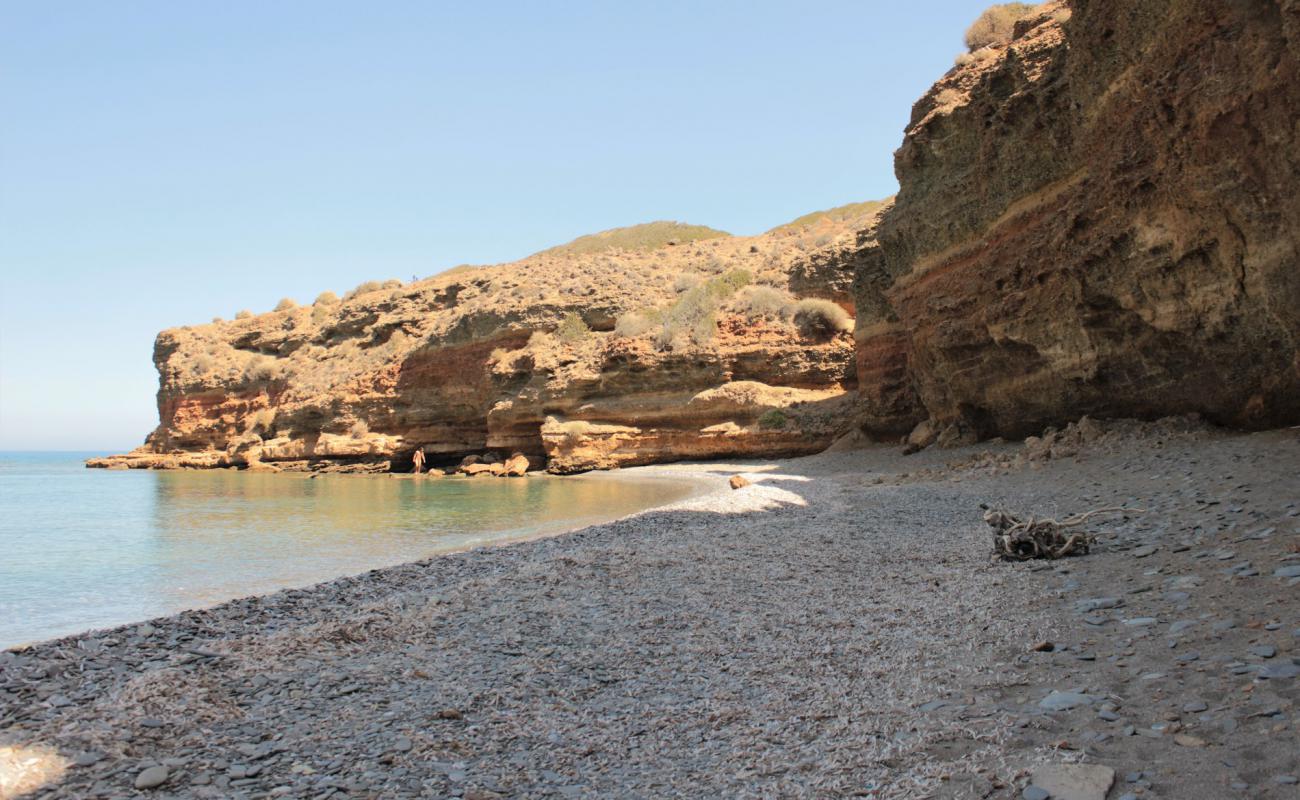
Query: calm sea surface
(83, 548)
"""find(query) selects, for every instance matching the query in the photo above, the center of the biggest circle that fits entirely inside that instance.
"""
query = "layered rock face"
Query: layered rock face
(706, 361)
(1101, 217)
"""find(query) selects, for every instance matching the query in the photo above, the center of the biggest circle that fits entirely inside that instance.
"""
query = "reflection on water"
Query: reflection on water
(88, 548)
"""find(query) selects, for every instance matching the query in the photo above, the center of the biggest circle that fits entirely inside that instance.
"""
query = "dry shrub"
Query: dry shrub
(261, 421)
(638, 323)
(686, 281)
(572, 329)
(820, 318)
(364, 288)
(761, 302)
(243, 314)
(996, 24)
(261, 369)
(285, 304)
(326, 298)
(359, 429)
(694, 315)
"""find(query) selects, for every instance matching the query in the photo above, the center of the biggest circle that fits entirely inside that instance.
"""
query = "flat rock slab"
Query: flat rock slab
(1074, 781)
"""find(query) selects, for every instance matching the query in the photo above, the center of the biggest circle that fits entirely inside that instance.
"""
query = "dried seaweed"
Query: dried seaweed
(1019, 539)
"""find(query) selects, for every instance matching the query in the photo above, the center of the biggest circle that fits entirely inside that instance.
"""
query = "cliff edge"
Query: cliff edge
(1097, 217)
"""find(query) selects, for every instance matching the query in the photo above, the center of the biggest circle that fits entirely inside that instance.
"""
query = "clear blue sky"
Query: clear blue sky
(162, 163)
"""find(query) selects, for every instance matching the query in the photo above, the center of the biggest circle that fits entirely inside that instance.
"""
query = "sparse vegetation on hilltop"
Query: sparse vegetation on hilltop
(647, 236)
(849, 213)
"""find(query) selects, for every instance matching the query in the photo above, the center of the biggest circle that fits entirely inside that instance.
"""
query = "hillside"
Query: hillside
(649, 343)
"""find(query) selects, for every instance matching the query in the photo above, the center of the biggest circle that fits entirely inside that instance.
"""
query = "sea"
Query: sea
(87, 548)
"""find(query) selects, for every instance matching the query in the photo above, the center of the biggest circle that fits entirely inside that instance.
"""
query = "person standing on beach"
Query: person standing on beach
(419, 461)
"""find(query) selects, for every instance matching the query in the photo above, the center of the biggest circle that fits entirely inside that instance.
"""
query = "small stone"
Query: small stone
(1064, 701)
(151, 722)
(1075, 781)
(151, 778)
(1109, 716)
(1181, 625)
(88, 758)
(1194, 707)
(1144, 551)
(1279, 671)
(1095, 603)
(1263, 650)
(1035, 793)
(1043, 647)
(1140, 622)
(1187, 740)
(738, 481)
(1286, 780)
(1292, 571)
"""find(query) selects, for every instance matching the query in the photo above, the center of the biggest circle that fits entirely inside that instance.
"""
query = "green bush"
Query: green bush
(996, 24)
(820, 318)
(773, 419)
(694, 315)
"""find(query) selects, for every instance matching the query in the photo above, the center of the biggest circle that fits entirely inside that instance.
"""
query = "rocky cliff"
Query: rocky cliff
(1100, 217)
(619, 349)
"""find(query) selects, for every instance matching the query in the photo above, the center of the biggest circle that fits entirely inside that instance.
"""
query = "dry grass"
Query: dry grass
(286, 304)
(326, 298)
(996, 24)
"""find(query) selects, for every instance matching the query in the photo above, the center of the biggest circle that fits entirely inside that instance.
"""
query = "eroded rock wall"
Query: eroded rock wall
(1101, 217)
(492, 359)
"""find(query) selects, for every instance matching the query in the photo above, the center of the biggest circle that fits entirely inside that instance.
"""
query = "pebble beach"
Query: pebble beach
(835, 628)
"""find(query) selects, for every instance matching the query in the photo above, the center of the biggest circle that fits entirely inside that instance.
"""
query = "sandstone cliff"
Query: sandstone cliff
(1100, 217)
(606, 352)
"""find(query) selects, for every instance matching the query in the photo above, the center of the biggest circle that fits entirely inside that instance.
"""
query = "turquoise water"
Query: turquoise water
(82, 548)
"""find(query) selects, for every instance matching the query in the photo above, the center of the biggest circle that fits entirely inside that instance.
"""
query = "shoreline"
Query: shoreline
(692, 484)
(836, 627)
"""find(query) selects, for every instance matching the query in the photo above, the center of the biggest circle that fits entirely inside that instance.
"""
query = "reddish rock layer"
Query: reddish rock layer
(1099, 218)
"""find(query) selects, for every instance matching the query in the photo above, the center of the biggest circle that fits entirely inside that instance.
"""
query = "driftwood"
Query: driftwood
(1016, 539)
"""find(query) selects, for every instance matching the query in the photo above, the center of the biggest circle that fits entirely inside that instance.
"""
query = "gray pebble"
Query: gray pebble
(151, 778)
(1034, 793)
(1263, 650)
